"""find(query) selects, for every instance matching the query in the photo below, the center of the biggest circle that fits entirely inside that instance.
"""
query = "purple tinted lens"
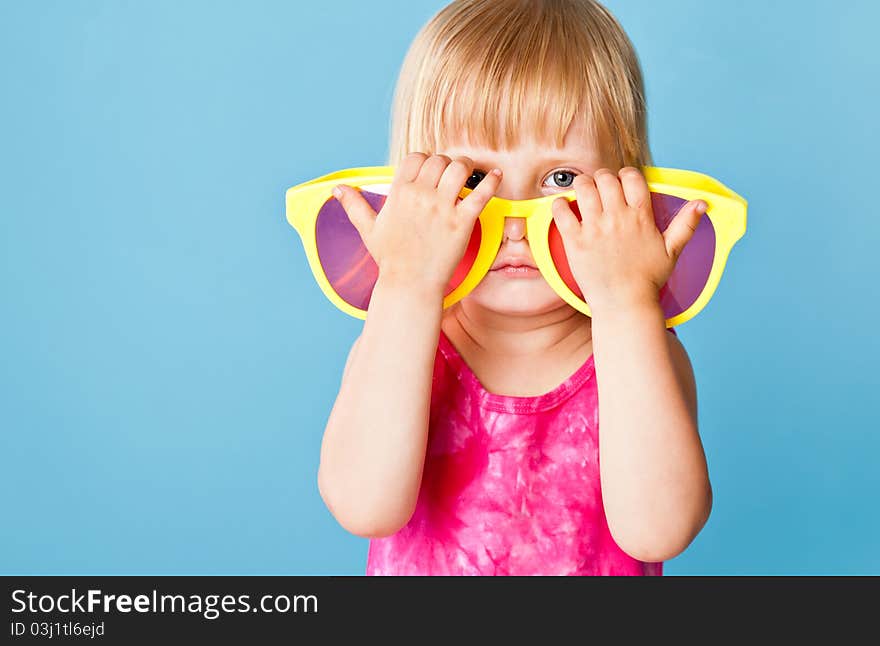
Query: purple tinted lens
(692, 269)
(351, 270)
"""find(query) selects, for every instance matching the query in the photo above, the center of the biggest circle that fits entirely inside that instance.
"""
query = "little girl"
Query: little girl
(468, 440)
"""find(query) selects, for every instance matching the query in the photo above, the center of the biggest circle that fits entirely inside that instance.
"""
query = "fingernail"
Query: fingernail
(496, 171)
(701, 207)
(337, 191)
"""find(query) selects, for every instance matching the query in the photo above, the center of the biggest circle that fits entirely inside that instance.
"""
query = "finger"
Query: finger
(358, 210)
(454, 177)
(474, 203)
(589, 203)
(409, 168)
(565, 218)
(635, 187)
(432, 170)
(682, 228)
(610, 190)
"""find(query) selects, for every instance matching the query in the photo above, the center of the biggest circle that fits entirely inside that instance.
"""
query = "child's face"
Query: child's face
(529, 171)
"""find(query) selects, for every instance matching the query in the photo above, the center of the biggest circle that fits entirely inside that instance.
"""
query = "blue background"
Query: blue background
(168, 362)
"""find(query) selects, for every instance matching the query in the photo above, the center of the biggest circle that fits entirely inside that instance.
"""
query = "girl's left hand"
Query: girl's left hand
(617, 254)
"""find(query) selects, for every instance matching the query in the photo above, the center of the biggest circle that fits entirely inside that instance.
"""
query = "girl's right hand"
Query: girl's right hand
(421, 232)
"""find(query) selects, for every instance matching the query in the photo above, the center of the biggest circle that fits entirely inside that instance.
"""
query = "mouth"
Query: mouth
(514, 263)
(518, 270)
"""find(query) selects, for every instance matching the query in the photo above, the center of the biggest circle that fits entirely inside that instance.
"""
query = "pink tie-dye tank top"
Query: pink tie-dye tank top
(510, 484)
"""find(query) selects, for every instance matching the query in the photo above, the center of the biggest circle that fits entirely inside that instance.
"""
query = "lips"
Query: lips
(512, 263)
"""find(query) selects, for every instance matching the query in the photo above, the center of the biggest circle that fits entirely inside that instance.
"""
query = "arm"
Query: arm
(655, 482)
(373, 449)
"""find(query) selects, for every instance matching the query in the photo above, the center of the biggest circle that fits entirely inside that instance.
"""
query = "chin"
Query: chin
(516, 297)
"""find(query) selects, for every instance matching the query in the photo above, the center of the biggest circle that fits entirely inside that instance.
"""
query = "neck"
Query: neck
(563, 330)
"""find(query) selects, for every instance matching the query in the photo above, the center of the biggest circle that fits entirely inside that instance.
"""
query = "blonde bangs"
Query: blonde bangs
(496, 73)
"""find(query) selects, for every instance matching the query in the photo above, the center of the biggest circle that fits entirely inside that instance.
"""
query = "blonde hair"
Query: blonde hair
(492, 70)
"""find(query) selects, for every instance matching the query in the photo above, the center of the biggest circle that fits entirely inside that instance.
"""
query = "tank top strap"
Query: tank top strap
(512, 403)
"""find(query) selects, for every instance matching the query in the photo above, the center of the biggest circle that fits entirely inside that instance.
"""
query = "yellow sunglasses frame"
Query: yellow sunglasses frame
(726, 211)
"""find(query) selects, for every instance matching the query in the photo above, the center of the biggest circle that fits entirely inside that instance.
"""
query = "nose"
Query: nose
(515, 190)
(514, 229)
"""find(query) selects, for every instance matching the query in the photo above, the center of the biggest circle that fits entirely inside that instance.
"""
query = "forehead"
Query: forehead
(579, 144)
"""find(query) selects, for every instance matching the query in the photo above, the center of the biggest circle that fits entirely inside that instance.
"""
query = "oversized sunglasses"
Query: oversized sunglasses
(346, 272)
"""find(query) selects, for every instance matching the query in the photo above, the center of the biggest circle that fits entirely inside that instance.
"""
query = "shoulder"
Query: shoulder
(351, 354)
(684, 371)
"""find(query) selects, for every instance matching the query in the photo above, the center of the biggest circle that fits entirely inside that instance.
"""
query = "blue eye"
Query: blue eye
(564, 177)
